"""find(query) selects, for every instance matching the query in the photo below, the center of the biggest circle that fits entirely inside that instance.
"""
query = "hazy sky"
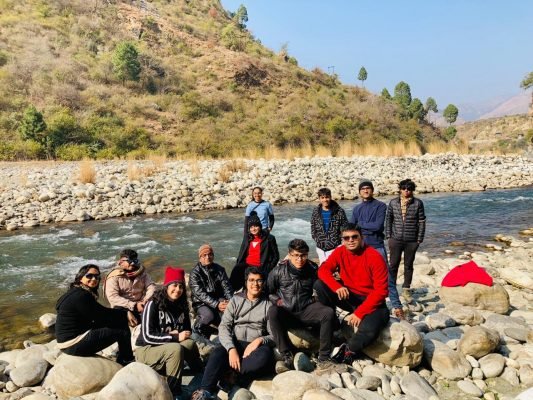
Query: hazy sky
(457, 51)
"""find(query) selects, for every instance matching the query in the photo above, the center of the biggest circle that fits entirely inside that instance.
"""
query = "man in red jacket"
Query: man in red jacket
(361, 290)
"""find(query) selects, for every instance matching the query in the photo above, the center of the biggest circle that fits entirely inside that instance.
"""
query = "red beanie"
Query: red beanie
(174, 275)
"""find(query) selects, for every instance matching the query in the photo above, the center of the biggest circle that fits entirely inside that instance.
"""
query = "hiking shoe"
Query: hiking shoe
(398, 313)
(342, 354)
(286, 364)
(323, 365)
(407, 294)
(202, 394)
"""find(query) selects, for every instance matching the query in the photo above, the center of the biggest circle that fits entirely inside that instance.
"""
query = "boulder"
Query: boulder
(516, 277)
(10, 356)
(439, 321)
(319, 394)
(479, 341)
(399, 344)
(304, 339)
(501, 323)
(75, 376)
(136, 380)
(492, 365)
(38, 396)
(47, 320)
(464, 315)
(416, 387)
(29, 373)
(470, 388)
(449, 363)
(292, 385)
(368, 382)
(481, 297)
(32, 353)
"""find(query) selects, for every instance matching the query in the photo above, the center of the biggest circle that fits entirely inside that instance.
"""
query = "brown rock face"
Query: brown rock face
(492, 298)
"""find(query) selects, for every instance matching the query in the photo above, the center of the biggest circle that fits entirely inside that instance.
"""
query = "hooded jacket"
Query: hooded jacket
(125, 292)
(332, 238)
(269, 253)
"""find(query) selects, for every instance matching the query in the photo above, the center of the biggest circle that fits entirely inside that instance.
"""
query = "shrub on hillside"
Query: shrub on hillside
(74, 152)
(21, 150)
(233, 38)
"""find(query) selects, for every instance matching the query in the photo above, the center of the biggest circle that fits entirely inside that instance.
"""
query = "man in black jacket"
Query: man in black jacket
(290, 285)
(210, 291)
(326, 222)
(405, 229)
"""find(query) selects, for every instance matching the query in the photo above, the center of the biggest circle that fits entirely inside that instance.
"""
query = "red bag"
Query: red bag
(466, 273)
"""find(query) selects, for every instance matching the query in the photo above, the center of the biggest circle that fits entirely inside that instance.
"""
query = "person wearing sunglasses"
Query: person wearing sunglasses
(84, 327)
(210, 291)
(405, 229)
(290, 285)
(129, 286)
(369, 214)
(246, 343)
(361, 290)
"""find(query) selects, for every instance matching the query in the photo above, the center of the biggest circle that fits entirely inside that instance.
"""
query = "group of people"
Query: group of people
(256, 306)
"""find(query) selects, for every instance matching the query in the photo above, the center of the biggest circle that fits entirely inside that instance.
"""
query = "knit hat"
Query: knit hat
(364, 183)
(254, 220)
(205, 248)
(174, 275)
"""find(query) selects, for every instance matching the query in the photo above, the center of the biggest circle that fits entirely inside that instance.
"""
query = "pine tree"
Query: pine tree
(126, 65)
(32, 125)
(362, 76)
(385, 94)
(450, 113)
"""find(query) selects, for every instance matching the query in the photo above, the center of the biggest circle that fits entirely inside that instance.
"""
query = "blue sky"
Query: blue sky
(457, 51)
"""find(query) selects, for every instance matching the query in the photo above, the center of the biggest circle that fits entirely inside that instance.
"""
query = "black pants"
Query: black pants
(396, 247)
(206, 317)
(260, 362)
(370, 325)
(315, 314)
(100, 338)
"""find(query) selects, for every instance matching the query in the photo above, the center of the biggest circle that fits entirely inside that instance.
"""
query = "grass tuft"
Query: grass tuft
(87, 172)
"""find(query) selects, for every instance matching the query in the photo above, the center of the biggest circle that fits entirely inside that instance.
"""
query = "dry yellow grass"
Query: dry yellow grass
(87, 172)
(227, 170)
(442, 147)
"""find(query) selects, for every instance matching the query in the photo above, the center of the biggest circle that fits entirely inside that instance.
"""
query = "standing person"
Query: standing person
(210, 291)
(362, 290)
(166, 329)
(84, 327)
(246, 344)
(129, 286)
(290, 285)
(370, 216)
(262, 208)
(326, 223)
(405, 229)
(258, 249)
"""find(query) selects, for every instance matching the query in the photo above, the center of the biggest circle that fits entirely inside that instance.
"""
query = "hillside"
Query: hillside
(203, 86)
(518, 104)
(507, 134)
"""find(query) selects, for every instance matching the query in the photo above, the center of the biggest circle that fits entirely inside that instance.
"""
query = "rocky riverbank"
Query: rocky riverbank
(463, 342)
(37, 193)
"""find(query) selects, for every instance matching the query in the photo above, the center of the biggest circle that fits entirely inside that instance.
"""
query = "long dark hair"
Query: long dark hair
(81, 273)
(161, 300)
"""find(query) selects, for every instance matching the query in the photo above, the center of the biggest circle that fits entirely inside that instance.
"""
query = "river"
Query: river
(37, 265)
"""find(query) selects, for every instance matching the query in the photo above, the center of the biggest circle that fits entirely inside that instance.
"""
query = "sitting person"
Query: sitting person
(166, 329)
(290, 285)
(84, 326)
(258, 249)
(362, 289)
(246, 345)
(128, 286)
(210, 291)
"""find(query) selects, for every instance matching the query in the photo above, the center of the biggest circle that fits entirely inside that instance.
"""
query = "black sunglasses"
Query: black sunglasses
(91, 276)
(353, 237)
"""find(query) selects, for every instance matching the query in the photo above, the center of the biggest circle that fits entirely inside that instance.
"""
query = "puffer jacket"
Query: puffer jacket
(245, 320)
(292, 285)
(331, 239)
(414, 227)
(209, 285)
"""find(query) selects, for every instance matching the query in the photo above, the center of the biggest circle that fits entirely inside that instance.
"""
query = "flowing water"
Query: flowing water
(37, 265)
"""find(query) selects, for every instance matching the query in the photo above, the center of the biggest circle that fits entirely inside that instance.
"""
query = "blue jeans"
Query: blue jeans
(393, 291)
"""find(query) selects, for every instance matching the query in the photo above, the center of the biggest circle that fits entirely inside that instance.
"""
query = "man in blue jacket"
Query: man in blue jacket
(370, 216)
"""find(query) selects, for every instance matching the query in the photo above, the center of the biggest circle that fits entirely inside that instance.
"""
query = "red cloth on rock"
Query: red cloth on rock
(467, 273)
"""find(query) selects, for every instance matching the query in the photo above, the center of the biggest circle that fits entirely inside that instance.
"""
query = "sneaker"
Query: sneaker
(323, 365)
(342, 354)
(407, 295)
(286, 364)
(398, 313)
(202, 394)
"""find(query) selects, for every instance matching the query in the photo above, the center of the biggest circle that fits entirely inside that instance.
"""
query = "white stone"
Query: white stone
(470, 388)
(492, 365)
(29, 373)
(47, 320)
(298, 382)
(416, 387)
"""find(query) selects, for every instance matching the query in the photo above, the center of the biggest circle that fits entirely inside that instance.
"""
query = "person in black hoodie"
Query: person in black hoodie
(210, 291)
(290, 285)
(258, 249)
(326, 222)
(84, 326)
(166, 329)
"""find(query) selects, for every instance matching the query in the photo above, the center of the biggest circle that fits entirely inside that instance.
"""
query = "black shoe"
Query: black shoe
(286, 364)
(342, 354)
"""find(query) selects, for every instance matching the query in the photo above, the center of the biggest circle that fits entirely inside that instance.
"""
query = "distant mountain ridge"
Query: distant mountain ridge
(518, 104)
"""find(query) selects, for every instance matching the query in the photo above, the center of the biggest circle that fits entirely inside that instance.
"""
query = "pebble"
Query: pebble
(470, 388)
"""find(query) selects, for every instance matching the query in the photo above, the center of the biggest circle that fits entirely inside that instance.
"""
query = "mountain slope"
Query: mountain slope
(206, 85)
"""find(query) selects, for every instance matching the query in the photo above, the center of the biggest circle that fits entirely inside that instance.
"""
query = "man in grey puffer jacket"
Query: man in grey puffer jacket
(246, 342)
(405, 229)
